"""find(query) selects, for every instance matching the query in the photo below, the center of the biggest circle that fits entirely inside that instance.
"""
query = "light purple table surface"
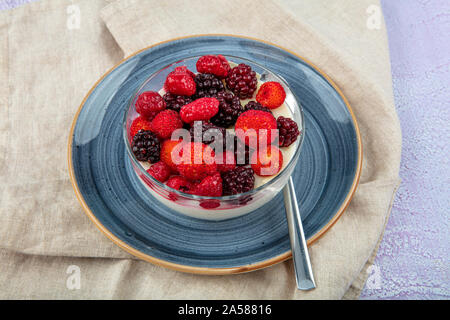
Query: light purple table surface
(414, 255)
(413, 261)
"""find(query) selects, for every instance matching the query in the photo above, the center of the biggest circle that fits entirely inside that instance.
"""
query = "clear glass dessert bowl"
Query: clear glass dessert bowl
(223, 207)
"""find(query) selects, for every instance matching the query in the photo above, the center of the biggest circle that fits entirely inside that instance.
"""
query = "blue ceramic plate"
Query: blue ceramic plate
(326, 176)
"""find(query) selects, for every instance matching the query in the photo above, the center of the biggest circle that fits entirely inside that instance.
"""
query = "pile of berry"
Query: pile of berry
(207, 103)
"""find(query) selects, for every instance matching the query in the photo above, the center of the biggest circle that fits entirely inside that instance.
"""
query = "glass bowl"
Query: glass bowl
(224, 207)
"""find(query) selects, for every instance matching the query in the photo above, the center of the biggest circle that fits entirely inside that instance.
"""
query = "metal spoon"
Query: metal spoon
(302, 263)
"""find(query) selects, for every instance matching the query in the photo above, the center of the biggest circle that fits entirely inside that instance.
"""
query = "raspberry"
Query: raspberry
(168, 155)
(271, 95)
(210, 203)
(229, 109)
(253, 105)
(288, 131)
(149, 103)
(225, 161)
(238, 180)
(180, 82)
(175, 102)
(252, 125)
(202, 131)
(242, 81)
(208, 85)
(165, 123)
(197, 161)
(146, 146)
(160, 171)
(210, 186)
(267, 161)
(179, 183)
(216, 65)
(138, 124)
(200, 109)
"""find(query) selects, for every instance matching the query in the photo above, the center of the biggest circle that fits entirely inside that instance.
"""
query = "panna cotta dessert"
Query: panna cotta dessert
(209, 139)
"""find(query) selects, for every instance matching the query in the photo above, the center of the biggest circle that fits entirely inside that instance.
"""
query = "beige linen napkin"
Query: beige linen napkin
(52, 52)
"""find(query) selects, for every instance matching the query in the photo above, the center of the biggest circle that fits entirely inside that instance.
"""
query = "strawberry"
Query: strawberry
(140, 123)
(200, 109)
(225, 161)
(256, 127)
(211, 186)
(216, 65)
(160, 171)
(271, 95)
(180, 82)
(165, 123)
(179, 183)
(183, 70)
(197, 161)
(167, 154)
(267, 161)
(149, 103)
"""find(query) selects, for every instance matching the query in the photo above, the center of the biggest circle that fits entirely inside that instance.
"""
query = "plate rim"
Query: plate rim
(206, 270)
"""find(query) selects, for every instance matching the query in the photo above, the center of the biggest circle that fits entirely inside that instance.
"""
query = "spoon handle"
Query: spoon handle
(302, 264)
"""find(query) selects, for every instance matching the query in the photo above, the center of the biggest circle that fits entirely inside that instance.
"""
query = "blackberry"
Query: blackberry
(242, 81)
(229, 109)
(253, 105)
(175, 102)
(146, 146)
(238, 180)
(186, 126)
(212, 132)
(208, 85)
(288, 131)
(241, 152)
